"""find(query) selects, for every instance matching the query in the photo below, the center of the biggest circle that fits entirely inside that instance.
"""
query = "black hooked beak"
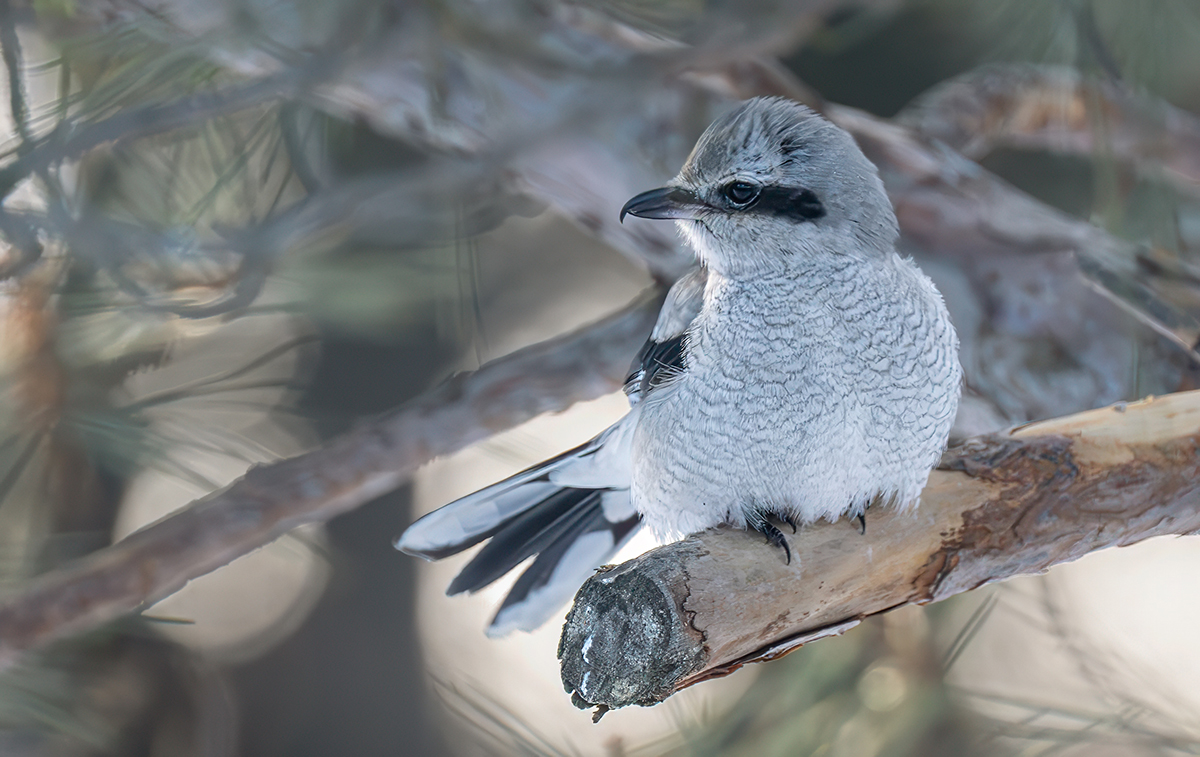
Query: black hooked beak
(668, 202)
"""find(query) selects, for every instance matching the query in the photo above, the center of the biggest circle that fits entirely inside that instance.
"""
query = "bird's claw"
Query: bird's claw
(862, 523)
(775, 538)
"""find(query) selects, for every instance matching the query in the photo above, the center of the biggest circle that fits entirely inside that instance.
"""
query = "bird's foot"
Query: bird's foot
(862, 523)
(774, 537)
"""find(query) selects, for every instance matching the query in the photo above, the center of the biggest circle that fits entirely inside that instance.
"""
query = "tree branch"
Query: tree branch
(946, 203)
(949, 205)
(1056, 108)
(371, 459)
(1001, 505)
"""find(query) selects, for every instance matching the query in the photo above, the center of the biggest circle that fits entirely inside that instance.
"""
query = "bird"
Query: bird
(803, 371)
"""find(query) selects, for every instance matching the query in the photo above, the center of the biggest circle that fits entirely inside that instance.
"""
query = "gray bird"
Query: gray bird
(803, 371)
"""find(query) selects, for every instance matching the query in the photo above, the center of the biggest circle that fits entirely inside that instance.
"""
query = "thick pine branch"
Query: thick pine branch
(1001, 505)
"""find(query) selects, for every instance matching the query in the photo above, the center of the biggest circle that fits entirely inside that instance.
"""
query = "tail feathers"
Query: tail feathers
(527, 534)
(573, 511)
(571, 530)
(467, 521)
(559, 570)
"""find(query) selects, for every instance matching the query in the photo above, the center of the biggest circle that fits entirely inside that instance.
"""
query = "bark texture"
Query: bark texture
(1001, 505)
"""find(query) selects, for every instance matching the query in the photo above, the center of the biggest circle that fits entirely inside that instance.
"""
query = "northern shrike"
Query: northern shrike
(803, 371)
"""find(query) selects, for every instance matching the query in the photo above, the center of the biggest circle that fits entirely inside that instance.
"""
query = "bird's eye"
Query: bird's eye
(741, 193)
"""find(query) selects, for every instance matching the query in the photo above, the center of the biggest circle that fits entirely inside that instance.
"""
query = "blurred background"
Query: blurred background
(230, 229)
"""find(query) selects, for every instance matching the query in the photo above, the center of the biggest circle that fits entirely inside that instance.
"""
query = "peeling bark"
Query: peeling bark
(1000, 505)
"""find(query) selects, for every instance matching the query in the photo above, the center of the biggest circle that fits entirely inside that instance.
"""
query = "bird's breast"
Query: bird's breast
(808, 399)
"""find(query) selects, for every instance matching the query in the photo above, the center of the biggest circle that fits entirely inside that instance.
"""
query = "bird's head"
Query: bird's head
(772, 181)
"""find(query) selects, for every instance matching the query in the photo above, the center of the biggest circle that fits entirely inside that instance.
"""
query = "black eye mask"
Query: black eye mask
(793, 203)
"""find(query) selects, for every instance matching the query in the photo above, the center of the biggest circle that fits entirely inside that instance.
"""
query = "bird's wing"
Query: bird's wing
(663, 355)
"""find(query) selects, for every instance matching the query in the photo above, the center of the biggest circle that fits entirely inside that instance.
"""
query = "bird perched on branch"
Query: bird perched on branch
(803, 371)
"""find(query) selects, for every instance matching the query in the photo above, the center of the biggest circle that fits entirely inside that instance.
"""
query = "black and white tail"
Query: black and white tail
(572, 511)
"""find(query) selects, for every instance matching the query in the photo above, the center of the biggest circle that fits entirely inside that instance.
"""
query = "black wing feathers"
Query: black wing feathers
(656, 363)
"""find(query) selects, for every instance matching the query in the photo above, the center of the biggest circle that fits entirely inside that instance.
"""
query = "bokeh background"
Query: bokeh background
(232, 229)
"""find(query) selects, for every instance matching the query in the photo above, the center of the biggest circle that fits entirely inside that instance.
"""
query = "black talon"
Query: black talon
(788, 520)
(774, 537)
(862, 524)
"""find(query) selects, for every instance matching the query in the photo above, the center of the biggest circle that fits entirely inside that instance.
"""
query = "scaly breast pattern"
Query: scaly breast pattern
(810, 393)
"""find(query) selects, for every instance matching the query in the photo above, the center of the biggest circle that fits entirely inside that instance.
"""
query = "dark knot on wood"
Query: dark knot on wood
(622, 643)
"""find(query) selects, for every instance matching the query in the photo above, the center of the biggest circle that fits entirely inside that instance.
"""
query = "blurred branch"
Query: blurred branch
(950, 205)
(523, 92)
(373, 458)
(1055, 108)
(1001, 505)
(586, 148)
(945, 202)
